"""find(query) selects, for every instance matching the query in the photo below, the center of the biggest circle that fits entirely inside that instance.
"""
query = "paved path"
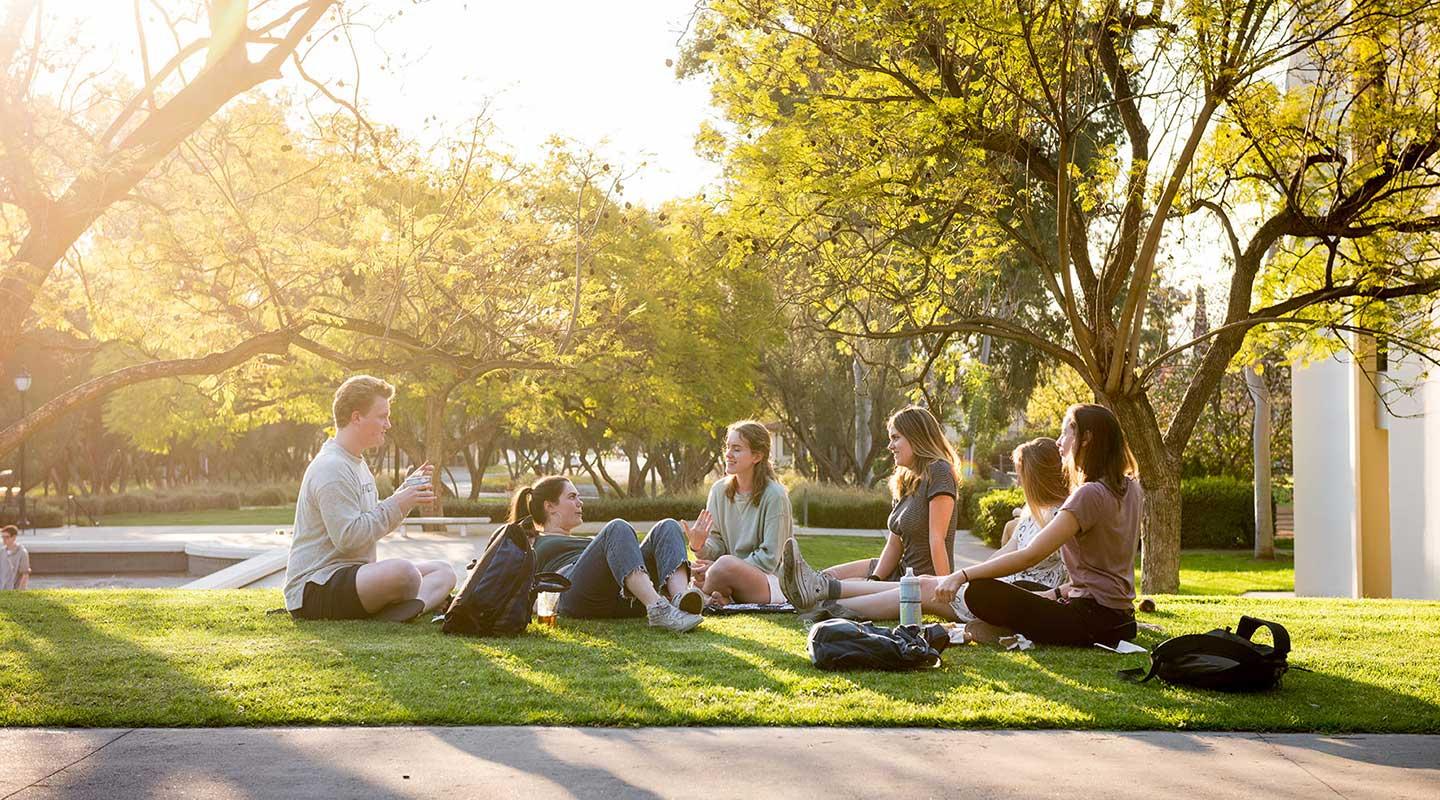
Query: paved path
(526, 762)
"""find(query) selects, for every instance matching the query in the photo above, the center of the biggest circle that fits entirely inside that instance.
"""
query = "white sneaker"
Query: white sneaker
(664, 615)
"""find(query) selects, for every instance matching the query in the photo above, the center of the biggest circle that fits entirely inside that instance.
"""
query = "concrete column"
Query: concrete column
(1414, 480)
(1327, 542)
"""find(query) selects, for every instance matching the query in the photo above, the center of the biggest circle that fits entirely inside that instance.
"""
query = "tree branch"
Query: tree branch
(276, 342)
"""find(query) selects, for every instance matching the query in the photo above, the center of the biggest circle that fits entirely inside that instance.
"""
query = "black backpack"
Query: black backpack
(840, 644)
(499, 594)
(1228, 662)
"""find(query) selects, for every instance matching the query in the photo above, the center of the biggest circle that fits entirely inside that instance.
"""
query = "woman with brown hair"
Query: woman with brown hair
(746, 522)
(611, 575)
(922, 521)
(1096, 531)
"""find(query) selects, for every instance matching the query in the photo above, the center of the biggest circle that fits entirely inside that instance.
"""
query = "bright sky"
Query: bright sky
(589, 71)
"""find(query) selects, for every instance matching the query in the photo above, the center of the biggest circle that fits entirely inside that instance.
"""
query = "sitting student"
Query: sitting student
(332, 572)
(14, 560)
(610, 572)
(1096, 530)
(746, 521)
(1042, 477)
(924, 517)
(1039, 466)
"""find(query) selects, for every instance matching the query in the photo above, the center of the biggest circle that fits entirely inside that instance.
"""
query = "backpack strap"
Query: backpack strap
(550, 582)
(1248, 626)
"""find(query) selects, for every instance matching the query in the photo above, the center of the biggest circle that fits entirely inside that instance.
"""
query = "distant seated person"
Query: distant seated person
(339, 516)
(611, 575)
(14, 560)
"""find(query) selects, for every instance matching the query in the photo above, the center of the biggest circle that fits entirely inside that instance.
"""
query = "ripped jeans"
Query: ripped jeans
(597, 578)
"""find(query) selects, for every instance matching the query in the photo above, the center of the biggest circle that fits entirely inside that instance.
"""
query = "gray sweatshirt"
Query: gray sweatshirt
(753, 533)
(339, 517)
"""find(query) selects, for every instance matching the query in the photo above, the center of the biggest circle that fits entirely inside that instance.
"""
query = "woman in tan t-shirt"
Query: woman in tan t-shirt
(1097, 531)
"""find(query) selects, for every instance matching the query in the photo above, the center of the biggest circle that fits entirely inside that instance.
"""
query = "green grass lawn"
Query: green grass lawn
(185, 658)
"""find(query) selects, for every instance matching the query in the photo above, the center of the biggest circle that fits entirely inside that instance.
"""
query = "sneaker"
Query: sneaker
(801, 584)
(829, 609)
(691, 601)
(664, 615)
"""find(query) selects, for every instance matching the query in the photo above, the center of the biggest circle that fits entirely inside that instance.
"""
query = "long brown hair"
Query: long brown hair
(1042, 476)
(1100, 453)
(530, 501)
(927, 441)
(757, 438)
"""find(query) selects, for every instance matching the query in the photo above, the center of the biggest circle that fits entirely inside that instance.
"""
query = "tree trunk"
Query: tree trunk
(600, 465)
(1264, 518)
(862, 422)
(435, 445)
(590, 470)
(1160, 478)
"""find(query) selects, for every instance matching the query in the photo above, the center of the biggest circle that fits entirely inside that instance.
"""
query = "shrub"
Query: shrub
(993, 510)
(42, 515)
(1217, 512)
(831, 506)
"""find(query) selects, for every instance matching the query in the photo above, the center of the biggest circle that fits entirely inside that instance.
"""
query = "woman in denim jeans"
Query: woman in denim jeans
(611, 575)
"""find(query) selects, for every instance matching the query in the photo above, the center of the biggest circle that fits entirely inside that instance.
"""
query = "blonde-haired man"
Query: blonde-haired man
(339, 516)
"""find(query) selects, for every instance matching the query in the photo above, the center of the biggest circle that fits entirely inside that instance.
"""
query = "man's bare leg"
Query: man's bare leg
(437, 579)
(389, 581)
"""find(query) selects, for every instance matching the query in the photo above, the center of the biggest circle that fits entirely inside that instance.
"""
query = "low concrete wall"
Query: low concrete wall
(91, 563)
(66, 557)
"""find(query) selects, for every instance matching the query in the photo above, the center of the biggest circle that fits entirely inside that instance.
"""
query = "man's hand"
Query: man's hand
(948, 586)
(416, 493)
(697, 532)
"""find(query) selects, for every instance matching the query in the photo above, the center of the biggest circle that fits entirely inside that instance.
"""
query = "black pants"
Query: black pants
(1076, 621)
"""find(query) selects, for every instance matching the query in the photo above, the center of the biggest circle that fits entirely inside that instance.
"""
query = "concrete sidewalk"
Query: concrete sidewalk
(708, 762)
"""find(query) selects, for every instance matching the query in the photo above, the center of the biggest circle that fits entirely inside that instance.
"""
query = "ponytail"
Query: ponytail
(520, 507)
(530, 501)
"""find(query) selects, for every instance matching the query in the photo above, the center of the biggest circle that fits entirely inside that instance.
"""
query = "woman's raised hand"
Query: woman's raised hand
(698, 531)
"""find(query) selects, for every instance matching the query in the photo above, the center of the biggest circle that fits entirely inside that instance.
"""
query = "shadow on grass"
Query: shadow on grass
(48, 645)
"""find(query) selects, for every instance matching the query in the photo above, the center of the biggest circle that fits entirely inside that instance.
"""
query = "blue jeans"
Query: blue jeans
(597, 578)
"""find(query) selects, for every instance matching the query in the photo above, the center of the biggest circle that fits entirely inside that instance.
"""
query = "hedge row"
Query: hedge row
(1216, 513)
(41, 515)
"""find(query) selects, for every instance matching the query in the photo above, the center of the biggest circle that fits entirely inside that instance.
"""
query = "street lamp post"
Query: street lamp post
(22, 385)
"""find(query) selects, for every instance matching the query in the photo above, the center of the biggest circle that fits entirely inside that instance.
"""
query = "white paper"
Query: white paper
(1124, 648)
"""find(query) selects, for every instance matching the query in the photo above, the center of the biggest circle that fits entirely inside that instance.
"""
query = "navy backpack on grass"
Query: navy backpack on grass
(1221, 660)
(498, 597)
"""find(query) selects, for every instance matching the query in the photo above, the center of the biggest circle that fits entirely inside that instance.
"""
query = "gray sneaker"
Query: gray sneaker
(801, 584)
(691, 601)
(664, 615)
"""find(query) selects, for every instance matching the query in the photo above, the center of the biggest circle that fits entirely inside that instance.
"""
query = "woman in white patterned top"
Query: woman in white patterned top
(1042, 478)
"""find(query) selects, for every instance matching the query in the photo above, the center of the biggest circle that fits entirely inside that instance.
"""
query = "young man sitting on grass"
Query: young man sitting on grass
(339, 516)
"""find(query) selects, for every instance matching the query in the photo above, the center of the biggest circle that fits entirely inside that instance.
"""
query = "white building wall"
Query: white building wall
(1415, 482)
(1326, 518)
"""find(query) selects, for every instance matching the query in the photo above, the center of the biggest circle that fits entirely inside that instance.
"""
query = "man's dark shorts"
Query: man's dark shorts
(337, 598)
